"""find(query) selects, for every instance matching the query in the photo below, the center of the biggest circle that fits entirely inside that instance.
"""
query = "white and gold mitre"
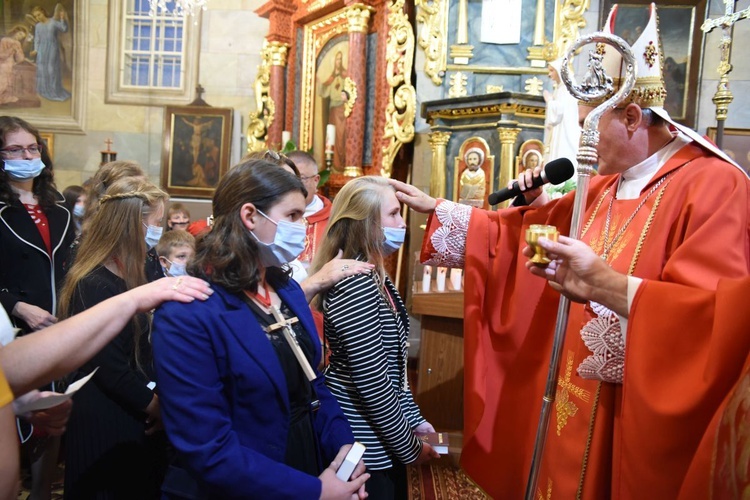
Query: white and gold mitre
(649, 90)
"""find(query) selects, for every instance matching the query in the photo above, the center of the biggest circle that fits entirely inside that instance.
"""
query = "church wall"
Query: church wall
(231, 36)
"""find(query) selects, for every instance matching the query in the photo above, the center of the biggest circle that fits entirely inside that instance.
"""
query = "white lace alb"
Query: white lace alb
(449, 240)
(603, 337)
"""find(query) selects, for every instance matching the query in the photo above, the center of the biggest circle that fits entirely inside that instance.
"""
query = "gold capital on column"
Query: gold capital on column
(358, 17)
(438, 141)
(508, 137)
(277, 52)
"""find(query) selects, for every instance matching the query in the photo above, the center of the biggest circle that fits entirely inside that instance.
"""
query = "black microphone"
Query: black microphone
(556, 171)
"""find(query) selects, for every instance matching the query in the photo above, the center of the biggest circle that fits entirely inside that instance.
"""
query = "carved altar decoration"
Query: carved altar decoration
(545, 35)
(531, 148)
(344, 90)
(261, 119)
(402, 98)
(474, 173)
(495, 122)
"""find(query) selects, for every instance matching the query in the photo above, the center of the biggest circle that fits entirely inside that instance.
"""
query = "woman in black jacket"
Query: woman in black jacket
(35, 235)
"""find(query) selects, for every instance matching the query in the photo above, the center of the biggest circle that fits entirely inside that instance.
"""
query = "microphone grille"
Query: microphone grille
(559, 170)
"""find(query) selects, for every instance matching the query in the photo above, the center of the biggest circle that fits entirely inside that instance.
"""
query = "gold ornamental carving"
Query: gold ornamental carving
(260, 119)
(458, 85)
(569, 21)
(316, 34)
(358, 16)
(350, 87)
(402, 98)
(433, 15)
(438, 141)
(277, 52)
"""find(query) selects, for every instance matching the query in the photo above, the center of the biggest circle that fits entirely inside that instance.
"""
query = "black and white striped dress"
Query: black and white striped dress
(367, 370)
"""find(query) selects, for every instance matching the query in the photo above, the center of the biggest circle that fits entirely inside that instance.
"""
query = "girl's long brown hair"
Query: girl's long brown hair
(108, 174)
(115, 232)
(228, 254)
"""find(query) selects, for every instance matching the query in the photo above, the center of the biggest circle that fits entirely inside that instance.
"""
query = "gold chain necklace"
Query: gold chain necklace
(616, 238)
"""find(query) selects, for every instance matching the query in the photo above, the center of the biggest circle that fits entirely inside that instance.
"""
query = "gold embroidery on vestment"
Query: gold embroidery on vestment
(565, 407)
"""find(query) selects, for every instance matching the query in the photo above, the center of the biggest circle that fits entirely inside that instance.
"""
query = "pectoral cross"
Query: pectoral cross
(723, 95)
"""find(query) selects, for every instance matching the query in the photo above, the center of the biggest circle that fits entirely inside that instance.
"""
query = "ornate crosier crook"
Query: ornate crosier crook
(596, 85)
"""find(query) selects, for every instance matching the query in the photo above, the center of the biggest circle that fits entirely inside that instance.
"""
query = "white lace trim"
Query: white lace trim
(449, 240)
(603, 336)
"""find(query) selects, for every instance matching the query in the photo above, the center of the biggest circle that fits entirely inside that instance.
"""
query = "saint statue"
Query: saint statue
(472, 182)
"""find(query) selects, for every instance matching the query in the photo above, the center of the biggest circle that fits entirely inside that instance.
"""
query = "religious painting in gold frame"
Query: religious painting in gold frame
(736, 144)
(49, 143)
(474, 173)
(322, 69)
(195, 151)
(531, 147)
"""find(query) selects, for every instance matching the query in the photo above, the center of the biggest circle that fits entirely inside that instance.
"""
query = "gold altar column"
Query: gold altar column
(277, 91)
(438, 141)
(357, 16)
(508, 136)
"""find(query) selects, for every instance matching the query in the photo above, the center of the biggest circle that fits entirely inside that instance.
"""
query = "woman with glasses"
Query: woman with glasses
(243, 405)
(35, 236)
(366, 325)
(113, 449)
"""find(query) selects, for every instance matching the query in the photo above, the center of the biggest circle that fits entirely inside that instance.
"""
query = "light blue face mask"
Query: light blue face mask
(153, 235)
(288, 243)
(78, 211)
(394, 238)
(176, 269)
(23, 170)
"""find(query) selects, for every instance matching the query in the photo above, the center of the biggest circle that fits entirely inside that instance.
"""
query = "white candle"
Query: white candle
(441, 272)
(426, 276)
(286, 136)
(456, 278)
(330, 137)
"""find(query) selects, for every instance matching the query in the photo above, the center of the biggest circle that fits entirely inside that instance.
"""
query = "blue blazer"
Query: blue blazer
(224, 399)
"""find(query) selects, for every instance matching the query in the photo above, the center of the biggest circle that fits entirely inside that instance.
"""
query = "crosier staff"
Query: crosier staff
(596, 85)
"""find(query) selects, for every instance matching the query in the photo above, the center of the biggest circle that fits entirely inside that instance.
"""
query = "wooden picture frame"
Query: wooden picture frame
(49, 143)
(56, 98)
(195, 151)
(682, 42)
(736, 144)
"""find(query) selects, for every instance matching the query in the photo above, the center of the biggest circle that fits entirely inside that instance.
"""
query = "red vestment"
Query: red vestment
(693, 230)
(316, 229)
(712, 362)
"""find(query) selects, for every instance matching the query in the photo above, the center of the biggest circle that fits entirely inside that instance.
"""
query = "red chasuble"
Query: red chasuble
(316, 229)
(710, 364)
(691, 228)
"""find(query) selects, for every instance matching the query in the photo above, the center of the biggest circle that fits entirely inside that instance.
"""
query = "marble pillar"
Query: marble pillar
(277, 91)
(358, 16)
(508, 135)
(438, 141)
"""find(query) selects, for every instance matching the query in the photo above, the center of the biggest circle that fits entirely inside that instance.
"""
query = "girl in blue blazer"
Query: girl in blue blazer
(245, 420)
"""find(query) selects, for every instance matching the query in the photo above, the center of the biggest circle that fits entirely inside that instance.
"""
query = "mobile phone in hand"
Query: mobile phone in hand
(346, 468)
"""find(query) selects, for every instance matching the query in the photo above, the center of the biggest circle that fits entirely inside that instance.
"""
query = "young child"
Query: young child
(178, 217)
(175, 250)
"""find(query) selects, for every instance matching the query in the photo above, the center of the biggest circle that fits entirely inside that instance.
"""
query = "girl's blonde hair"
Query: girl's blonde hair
(115, 232)
(355, 226)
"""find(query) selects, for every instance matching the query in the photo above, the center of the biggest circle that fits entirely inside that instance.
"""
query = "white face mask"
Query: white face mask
(153, 235)
(23, 170)
(394, 238)
(288, 243)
